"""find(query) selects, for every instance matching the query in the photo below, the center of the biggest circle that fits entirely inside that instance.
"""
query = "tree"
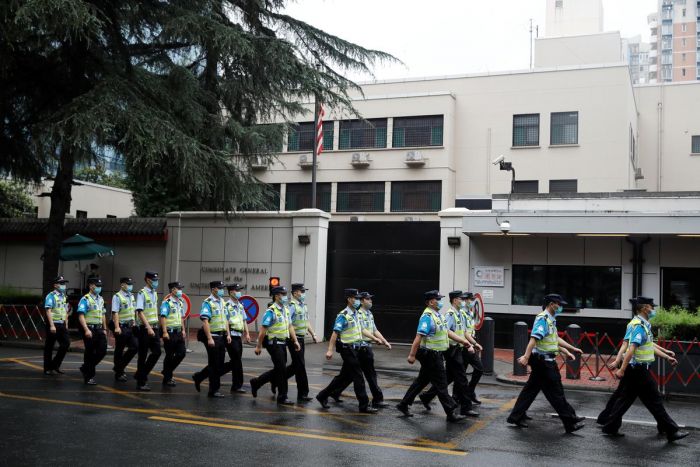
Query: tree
(98, 174)
(178, 88)
(14, 199)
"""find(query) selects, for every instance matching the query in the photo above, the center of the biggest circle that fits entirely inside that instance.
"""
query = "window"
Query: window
(681, 286)
(362, 134)
(417, 131)
(526, 186)
(298, 196)
(360, 197)
(473, 203)
(683, 43)
(559, 4)
(683, 71)
(666, 43)
(81, 214)
(109, 216)
(684, 27)
(301, 137)
(563, 186)
(526, 130)
(564, 128)
(666, 29)
(633, 148)
(416, 196)
(666, 59)
(683, 57)
(582, 286)
(696, 144)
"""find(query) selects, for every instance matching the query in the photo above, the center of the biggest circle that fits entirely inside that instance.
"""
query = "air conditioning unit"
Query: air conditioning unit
(415, 159)
(357, 218)
(258, 163)
(638, 175)
(411, 219)
(306, 161)
(360, 159)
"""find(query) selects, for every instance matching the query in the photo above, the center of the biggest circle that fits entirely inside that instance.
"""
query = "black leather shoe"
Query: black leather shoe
(660, 431)
(469, 413)
(121, 378)
(337, 399)
(424, 400)
(216, 395)
(273, 388)
(143, 387)
(615, 434)
(254, 387)
(580, 419)
(368, 410)
(304, 399)
(475, 400)
(170, 383)
(576, 427)
(58, 370)
(91, 382)
(238, 391)
(380, 405)
(323, 401)
(527, 417)
(518, 423)
(677, 435)
(197, 382)
(285, 402)
(456, 418)
(48, 372)
(404, 410)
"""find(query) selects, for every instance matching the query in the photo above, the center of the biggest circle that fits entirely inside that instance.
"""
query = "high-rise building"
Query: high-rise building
(675, 42)
(637, 56)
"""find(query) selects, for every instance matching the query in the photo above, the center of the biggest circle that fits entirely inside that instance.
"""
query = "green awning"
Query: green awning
(78, 247)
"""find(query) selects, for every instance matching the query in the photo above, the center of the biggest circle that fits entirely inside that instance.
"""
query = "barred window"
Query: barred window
(301, 137)
(564, 128)
(298, 196)
(360, 197)
(416, 196)
(563, 186)
(696, 145)
(526, 130)
(417, 131)
(363, 134)
(526, 186)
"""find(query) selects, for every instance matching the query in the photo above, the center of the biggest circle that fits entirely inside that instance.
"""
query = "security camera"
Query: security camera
(505, 227)
(498, 160)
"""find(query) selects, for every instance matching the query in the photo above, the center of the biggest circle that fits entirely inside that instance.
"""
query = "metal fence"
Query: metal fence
(22, 322)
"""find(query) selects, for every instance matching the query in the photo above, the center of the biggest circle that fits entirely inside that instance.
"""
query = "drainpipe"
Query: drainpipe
(637, 263)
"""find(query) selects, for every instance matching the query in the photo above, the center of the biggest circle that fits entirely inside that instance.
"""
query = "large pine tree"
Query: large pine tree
(180, 89)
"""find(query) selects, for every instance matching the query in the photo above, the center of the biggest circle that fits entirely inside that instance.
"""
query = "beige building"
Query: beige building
(573, 17)
(88, 200)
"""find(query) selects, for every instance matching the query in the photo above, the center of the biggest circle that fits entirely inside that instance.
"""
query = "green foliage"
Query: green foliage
(14, 199)
(14, 296)
(97, 174)
(676, 323)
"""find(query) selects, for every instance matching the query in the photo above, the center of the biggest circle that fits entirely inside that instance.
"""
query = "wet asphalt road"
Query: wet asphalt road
(59, 420)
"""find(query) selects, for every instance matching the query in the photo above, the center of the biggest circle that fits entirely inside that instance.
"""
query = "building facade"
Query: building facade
(675, 41)
(87, 200)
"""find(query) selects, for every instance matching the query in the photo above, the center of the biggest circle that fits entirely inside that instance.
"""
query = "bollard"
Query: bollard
(573, 367)
(520, 340)
(597, 376)
(486, 339)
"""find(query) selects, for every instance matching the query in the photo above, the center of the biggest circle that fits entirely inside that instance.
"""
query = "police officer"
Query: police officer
(541, 354)
(454, 360)
(636, 379)
(299, 315)
(149, 337)
(238, 325)
(215, 336)
(93, 324)
(471, 358)
(171, 325)
(122, 325)
(56, 308)
(276, 330)
(428, 347)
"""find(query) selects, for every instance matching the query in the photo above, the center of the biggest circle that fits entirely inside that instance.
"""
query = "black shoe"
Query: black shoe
(273, 388)
(337, 399)
(323, 401)
(475, 400)
(676, 436)
(456, 418)
(380, 405)
(238, 391)
(660, 431)
(91, 382)
(254, 387)
(518, 423)
(575, 427)
(615, 434)
(169, 383)
(215, 395)
(143, 387)
(404, 410)
(424, 400)
(121, 378)
(57, 370)
(197, 382)
(285, 402)
(527, 417)
(580, 419)
(304, 399)
(469, 413)
(48, 372)
(368, 410)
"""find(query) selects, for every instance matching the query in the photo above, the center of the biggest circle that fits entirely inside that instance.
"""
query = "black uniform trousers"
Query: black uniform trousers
(637, 382)
(128, 339)
(95, 351)
(278, 353)
(473, 359)
(174, 352)
(544, 377)
(350, 372)
(149, 353)
(60, 336)
(234, 365)
(298, 367)
(432, 371)
(604, 416)
(366, 357)
(457, 374)
(216, 355)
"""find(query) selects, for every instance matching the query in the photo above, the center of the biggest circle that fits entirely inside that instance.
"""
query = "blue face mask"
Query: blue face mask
(129, 288)
(558, 310)
(368, 305)
(98, 290)
(284, 299)
(356, 304)
(178, 293)
(652, 313)
(220, 293)
(440, 305)
(237, 295)
(470, 304)
(302, 297)
(154, 284)
(62, 287)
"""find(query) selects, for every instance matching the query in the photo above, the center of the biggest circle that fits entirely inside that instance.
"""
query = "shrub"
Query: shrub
(676, 323)
(13, 296)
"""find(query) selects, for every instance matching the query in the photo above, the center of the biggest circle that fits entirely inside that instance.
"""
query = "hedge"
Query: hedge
(676, 323)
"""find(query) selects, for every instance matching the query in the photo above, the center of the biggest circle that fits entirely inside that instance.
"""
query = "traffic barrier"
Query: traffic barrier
(22, 322)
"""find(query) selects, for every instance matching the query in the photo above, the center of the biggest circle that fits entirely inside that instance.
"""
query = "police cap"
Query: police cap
(60, 280)
(216, 285)
(350, 292)
(151, 275)
(126, 280)
(234, 286)
(299, 286)
(176, 284)
(94, 280)
(364, 295)
(278, 290)
(644, 301)
(431, 294)
(455, 294)
(556, 298)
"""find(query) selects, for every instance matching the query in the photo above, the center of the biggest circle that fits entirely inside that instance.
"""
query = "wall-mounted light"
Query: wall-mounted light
(454, 241)
(304, 239)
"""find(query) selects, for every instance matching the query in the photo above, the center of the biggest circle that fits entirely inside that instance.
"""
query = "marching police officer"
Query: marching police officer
(454, 360)
(215, 335)
(299, 315)
(56, 308)
(347, 334)
(239, 330)
(636, 379)
(541, 354)
(122, 325)
(93, 323)
(471, 358)
(171, 325)
(428, 347)
(149, 339)
(276, 330)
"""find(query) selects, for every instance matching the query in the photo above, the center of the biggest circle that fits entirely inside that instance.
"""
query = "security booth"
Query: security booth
(597, 250)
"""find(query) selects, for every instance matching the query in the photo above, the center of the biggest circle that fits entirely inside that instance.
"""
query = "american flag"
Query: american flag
(319, 130)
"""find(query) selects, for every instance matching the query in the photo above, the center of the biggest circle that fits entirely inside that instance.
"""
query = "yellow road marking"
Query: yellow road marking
(30, 365)
(481, 424)
(337, 439)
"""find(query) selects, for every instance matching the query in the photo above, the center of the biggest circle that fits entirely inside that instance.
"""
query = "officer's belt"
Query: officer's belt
(173, 329)
(126, 323)
(350, 346)
(218, 333)
(641, 365)
(95, 326)
(276, 340)
(153, 326)
(425, 349)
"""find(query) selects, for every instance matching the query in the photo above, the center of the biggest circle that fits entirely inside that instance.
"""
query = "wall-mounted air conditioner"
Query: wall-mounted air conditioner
(415, 159)
(360, 160)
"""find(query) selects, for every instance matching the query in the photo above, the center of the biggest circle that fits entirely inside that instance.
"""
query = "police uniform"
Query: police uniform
(124, 306)
(638, 382)
(172, 313)
(56, 306)
(276, 322)
(545, 374)
(348, 333)
(214, 311)
(299, 315)
(471, 358)
(92, 308)
(149, 346)
(434, 341)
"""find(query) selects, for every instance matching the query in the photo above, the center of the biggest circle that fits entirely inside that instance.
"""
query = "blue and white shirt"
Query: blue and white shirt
(140, 300)
(541, 328)
(341, 321)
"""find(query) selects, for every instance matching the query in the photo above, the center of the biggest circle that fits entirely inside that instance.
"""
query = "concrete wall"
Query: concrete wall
(96, 200)
(590, 49)
(573, 17)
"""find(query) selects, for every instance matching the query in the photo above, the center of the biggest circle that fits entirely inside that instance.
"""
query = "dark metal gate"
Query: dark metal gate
(396, 261)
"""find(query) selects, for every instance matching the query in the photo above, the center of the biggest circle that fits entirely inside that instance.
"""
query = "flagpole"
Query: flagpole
(315, 153)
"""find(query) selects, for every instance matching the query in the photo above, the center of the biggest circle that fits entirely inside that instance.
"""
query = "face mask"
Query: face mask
(154, 284)
(178, 293)
(98, 290)
(220, 293)
(237, 295)
(439, 305)
(368, 306)
(129, 288)
(284, 299)
(470, 305)
(302, 297)
(356, 304)
(558, 310)
(62, 287)
(652, 313)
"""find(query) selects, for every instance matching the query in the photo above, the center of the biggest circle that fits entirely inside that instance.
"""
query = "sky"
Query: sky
(448, 37)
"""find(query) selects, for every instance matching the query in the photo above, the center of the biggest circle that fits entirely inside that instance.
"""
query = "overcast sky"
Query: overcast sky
(446, 37)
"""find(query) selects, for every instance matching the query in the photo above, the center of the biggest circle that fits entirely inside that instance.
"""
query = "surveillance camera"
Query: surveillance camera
(505, 227)
(498, 160)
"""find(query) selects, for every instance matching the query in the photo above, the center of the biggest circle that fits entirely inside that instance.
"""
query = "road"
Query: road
(59, 420)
